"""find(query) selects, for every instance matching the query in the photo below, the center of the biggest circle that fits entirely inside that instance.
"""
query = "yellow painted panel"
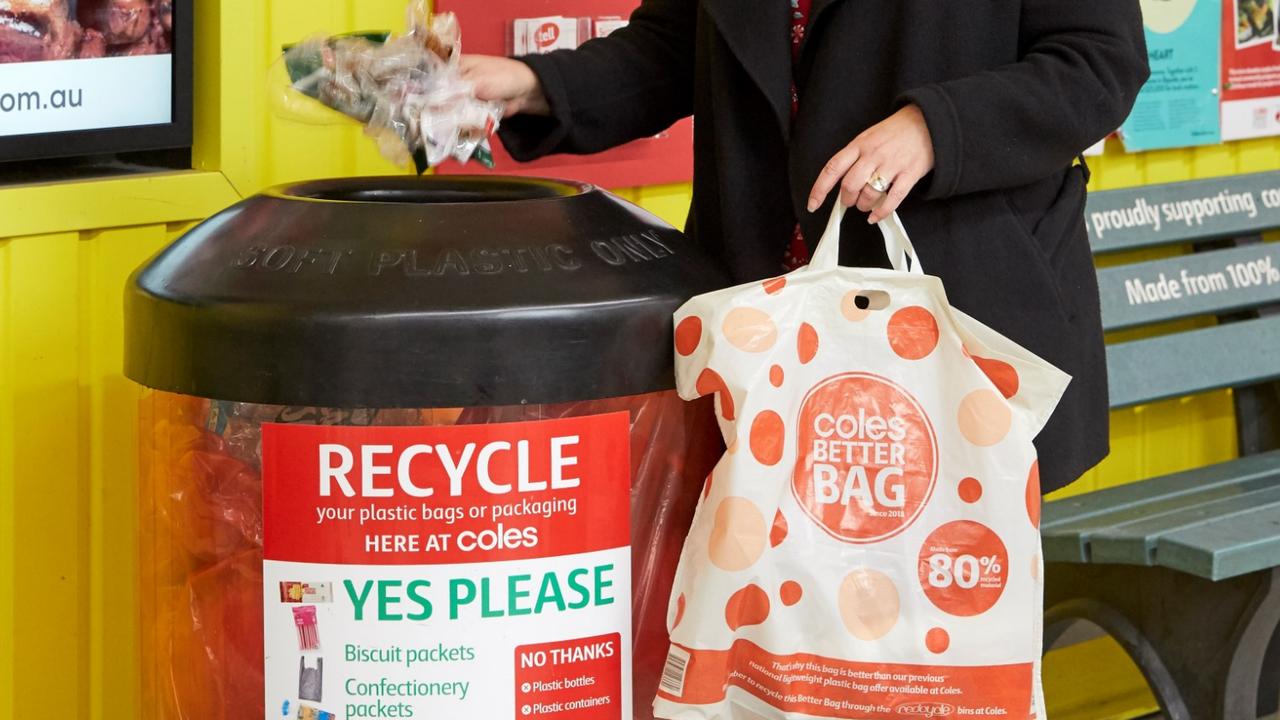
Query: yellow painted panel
(8, 488)
(68, 616)
(50, 563)
(628, 194)
(669, 202)
(108, 259)
(206, 102)
(136, 200)
(1095, 680)
(1259, 155)
(241, 129)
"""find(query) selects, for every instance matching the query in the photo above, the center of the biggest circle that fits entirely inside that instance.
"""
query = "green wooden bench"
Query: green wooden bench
(1182, 569)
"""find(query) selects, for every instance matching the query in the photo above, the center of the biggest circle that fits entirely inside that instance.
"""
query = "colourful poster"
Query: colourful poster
(1250, 69)
(1178, 107)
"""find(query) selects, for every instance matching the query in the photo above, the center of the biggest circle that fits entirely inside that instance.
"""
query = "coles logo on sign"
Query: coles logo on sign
(867, 460)
(547, 35)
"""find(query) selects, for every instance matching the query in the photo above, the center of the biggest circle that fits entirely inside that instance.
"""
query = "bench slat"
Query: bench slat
(1197, 284)
(1078, 542)
(1249, 542)
(1231, 355)
(1222, 520)
(1122, 219)
(1067, 523)
(1134, 543)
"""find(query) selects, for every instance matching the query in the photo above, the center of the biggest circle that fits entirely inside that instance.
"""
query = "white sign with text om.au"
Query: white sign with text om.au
(86, 94)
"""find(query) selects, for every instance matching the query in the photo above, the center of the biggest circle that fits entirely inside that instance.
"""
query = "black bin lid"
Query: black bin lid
(415, 292)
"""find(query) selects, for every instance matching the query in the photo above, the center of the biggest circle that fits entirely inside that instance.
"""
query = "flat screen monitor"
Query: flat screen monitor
(86, 77)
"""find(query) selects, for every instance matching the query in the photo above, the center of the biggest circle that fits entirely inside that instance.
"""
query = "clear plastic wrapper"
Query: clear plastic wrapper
(201, 539)
(407, 90)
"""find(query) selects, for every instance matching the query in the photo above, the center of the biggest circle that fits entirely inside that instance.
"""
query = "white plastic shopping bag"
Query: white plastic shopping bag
(868, 547)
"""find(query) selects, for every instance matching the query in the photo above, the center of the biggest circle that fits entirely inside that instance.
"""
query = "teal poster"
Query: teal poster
(1178, 107)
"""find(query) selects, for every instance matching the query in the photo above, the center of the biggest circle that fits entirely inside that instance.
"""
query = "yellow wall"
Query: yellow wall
(67, 415)
(1175, 434)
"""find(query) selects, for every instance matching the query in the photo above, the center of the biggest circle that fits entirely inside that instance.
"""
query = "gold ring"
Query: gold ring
(879, 184)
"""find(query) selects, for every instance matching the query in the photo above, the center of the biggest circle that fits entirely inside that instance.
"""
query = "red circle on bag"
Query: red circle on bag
(964, 568)
(867, 457)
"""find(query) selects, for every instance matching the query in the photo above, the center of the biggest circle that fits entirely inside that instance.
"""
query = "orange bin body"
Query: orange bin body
(202, 534)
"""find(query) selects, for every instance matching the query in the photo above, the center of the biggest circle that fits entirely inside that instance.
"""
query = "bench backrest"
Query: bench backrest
(1240, 273)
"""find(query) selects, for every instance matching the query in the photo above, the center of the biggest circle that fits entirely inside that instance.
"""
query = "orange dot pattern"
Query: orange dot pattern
(748, 606)
(710, 382)
(688, 335)
(1033, 494)
(790, 593)
(750, 330)
(1002, 375)
(913, 333)
(807, 343)
(778, 532)
(768, 437)
(937, 640)
(849, 307)
(869, 604)
(738, 535)
(984, 417)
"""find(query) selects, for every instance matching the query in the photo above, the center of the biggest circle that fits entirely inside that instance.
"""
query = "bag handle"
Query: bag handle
(902, 254)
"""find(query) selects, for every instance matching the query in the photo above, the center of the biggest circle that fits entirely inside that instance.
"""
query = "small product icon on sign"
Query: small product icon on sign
(547, 35)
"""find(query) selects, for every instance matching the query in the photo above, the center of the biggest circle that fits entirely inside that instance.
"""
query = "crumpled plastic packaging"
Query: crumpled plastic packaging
(407, 90)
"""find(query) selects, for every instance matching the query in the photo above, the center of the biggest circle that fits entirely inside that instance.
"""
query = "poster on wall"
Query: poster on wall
(1250, 69)
(1178, 107)
(70, 65)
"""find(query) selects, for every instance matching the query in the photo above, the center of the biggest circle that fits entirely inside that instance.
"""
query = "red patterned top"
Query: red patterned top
(797, 254)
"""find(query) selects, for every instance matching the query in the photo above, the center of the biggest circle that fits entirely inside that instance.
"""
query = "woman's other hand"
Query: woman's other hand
(898, 150)
(507, 81)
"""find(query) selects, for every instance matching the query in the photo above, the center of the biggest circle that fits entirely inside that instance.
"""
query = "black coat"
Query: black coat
(1012, 91)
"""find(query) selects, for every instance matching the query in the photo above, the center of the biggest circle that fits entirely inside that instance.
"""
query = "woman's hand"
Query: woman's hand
(898, 150)
(507, 81)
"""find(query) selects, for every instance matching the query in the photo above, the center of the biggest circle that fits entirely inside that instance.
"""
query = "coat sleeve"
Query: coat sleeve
(632, 84)
(1081, 65)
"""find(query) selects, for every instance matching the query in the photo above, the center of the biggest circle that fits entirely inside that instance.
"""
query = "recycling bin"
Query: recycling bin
(410, 448)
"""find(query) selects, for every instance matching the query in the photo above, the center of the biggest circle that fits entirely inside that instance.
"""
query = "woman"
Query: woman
(965, 115)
